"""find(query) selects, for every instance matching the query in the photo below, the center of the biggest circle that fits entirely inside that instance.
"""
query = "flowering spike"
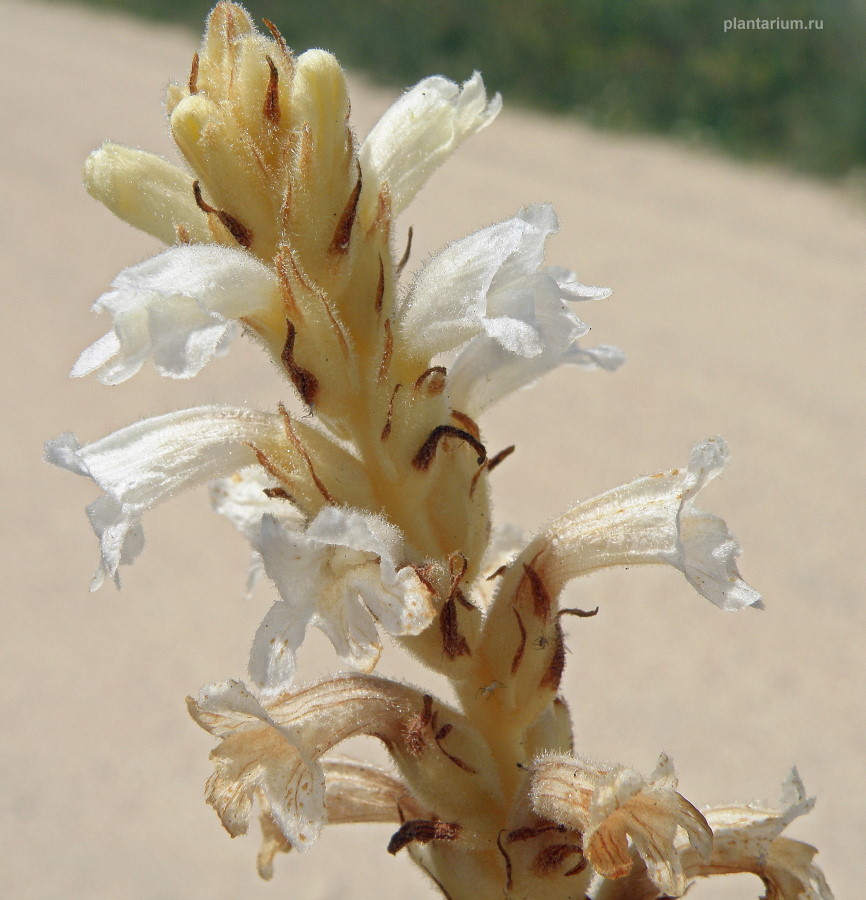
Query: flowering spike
(283, 229)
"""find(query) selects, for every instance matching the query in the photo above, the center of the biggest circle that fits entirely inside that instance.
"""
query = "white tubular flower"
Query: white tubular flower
(146, 463)
(610, 805)
(652, 519)
(421, 130)
(488, 290)
(180, 308)
(343, 574)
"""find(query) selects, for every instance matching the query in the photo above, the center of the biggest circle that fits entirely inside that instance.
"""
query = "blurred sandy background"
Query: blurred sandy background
(740, 298)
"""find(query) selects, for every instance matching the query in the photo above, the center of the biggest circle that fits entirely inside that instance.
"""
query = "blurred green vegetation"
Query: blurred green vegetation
(666, 66)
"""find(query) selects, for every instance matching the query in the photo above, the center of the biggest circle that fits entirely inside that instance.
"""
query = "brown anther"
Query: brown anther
(306, 384)
(422, 831)
(182, 233)
(551, 678)
(432, 380)
(551, 858)
(302, 450)
(427, 710)
(453, 643)
(387, 350)
(518, 654)
(405, 257)
(271, 109)
(497, 573)
(278, 38)
(580, 613)
(440, 736)
(469, 424)
(192, 84)
(540, 597)
(427, 451)
(499, 457)
(386, 431)
(234, 226)
(509, 883)
(380, 286)
(343, 231)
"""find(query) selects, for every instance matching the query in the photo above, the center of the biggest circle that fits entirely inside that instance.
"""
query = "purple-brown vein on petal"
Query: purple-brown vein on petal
(508, 879)
(380, 286)
(541, 600)
(278, 38)
(302, 450)
(553, 673)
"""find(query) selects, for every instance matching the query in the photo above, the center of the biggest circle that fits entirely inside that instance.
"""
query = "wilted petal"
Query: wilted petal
(257, 757)
(145, 191)
(342, 574)
(146, 463)
(611, 805)
(652, 520)
(179, 308)
(421, 130)
(747, 839)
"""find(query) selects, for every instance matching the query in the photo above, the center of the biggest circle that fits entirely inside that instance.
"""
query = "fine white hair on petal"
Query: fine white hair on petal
(652, 520)
(343, 574)
(179, 308)
(421, 130)
(487, 283)
(147, 462)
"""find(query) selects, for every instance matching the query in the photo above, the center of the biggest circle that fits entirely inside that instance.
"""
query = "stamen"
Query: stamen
(385, 364)
(423, 831)
(343, 231)
(306, 384)
(532, 831)
(424, 457)
(518, 655)
(405, 257)
(182, 233)
(192, 84)
(235, 227)
(434, 378)
(386, 431)
(500, 457)
(271, 108)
